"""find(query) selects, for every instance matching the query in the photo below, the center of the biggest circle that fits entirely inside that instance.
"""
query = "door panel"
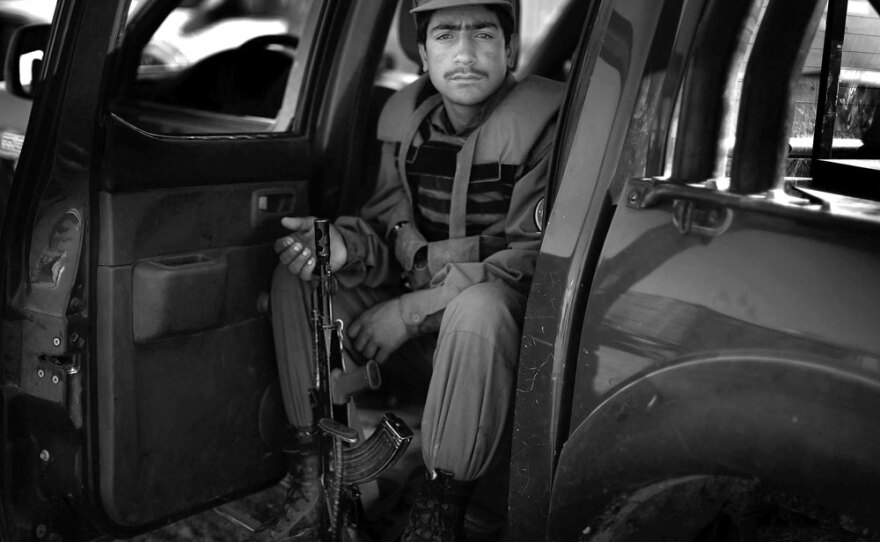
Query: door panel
(186, 375)
(186, 369)
(139, 377)
(181, 416)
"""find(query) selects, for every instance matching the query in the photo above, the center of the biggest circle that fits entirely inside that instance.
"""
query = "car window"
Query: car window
(858, 91)
(853, 86)
(16, 13)
(855, 66)
(221, 65)
(538, 18)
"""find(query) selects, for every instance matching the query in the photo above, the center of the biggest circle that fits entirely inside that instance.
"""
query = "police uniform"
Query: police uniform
(459, 215)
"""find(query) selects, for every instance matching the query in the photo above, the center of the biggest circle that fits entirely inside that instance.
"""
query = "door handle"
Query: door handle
(703, 211)
(701, 218)
(268, 206)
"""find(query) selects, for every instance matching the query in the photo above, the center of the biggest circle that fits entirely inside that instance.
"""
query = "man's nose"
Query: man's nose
(465, 52)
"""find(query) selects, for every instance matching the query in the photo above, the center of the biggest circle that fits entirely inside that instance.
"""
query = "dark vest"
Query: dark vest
(487, 165)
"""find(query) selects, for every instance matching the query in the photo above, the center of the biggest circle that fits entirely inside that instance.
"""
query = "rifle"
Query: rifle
(346, 461)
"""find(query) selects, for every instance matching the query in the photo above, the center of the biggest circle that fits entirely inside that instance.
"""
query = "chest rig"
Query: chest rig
(461, 186)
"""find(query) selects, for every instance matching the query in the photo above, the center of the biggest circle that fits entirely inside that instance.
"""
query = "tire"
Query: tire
(721, 509)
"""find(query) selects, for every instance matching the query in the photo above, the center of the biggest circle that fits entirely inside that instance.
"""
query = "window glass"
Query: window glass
(16, 13)
(858, 92)
(858, 101)
(223, 65)
(857, 106)
(400, 59)
(538, 17)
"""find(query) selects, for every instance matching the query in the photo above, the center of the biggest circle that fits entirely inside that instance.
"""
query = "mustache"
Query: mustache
(453, 73)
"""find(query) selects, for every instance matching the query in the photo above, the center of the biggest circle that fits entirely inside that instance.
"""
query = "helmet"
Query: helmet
(431, 5)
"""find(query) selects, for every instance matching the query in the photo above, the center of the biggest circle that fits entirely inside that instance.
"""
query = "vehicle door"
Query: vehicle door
(197, 169)
(167, 141)
(699, 357)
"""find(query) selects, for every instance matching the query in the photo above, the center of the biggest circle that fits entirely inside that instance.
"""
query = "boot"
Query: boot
(438, 512)
(301, 517)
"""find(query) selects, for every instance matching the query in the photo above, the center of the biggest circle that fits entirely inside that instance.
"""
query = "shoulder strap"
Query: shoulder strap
(412, 129)
(517, 122)
(398, 124)
(508, 135)
(541, 95)
(393, 120)
(458, 198)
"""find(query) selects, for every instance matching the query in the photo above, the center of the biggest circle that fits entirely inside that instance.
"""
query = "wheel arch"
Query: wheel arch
(799, 424)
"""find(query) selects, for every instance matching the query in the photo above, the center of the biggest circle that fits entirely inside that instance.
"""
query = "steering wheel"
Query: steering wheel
(285, 41)
(247, 80)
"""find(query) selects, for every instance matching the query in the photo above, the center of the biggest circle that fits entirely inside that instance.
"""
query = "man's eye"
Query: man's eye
(443, 37)
(485, 36)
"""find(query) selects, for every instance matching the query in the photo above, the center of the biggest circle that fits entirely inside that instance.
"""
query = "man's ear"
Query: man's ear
(513, 52)
(423, 53)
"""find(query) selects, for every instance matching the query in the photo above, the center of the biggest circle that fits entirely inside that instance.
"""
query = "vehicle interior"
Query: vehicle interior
(249, 80)
(178, 114)
(241, 89)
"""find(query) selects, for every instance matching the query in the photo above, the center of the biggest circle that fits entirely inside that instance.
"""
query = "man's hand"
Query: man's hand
(380, 330)
(297, 250)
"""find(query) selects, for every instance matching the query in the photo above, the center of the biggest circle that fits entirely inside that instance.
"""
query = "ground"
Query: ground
(386, 516)
(235, 521)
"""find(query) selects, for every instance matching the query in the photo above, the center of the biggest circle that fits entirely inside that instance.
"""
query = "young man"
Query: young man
(457, 208)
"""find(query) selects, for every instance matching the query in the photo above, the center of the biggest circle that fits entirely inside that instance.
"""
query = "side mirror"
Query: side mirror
(24, 59)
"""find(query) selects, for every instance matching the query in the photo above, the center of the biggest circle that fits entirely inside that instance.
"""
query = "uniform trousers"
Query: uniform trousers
(469, 367)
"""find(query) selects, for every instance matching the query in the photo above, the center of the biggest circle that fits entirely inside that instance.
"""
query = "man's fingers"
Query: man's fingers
(282, 244)
(295, 267)
(291, 252)
(354, 328)
(298, 223)
(369, 351)
(382, 355)
(307, 269)
(360, 342)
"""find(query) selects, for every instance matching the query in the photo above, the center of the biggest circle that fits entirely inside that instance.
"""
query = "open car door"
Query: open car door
(185, 220)
(167, 141)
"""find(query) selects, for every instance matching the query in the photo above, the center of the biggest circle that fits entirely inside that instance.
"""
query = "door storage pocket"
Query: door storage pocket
(176, 295)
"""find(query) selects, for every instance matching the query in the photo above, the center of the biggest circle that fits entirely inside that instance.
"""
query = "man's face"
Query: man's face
(465, 54)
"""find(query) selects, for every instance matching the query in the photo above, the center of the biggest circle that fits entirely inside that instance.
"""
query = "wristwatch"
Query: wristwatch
(396, 229)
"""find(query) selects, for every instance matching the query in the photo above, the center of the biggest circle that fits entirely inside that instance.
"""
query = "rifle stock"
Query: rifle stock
(346, 460)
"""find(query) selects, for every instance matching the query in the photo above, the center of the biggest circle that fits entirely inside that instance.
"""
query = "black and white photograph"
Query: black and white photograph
(440, 271)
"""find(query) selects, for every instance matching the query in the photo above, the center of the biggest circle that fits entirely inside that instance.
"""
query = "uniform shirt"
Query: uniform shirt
(370, 260)
(431, 165)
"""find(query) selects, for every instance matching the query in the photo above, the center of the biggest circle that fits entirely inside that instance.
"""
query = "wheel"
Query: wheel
(721, 509)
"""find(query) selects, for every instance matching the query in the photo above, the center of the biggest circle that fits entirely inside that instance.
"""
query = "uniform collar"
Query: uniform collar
(440, 121)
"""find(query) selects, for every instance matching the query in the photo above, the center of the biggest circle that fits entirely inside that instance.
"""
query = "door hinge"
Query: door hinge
(70, 363)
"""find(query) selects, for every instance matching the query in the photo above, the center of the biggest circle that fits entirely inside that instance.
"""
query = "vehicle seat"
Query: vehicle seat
(389, 79)
(406, 32)
(248, 80)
